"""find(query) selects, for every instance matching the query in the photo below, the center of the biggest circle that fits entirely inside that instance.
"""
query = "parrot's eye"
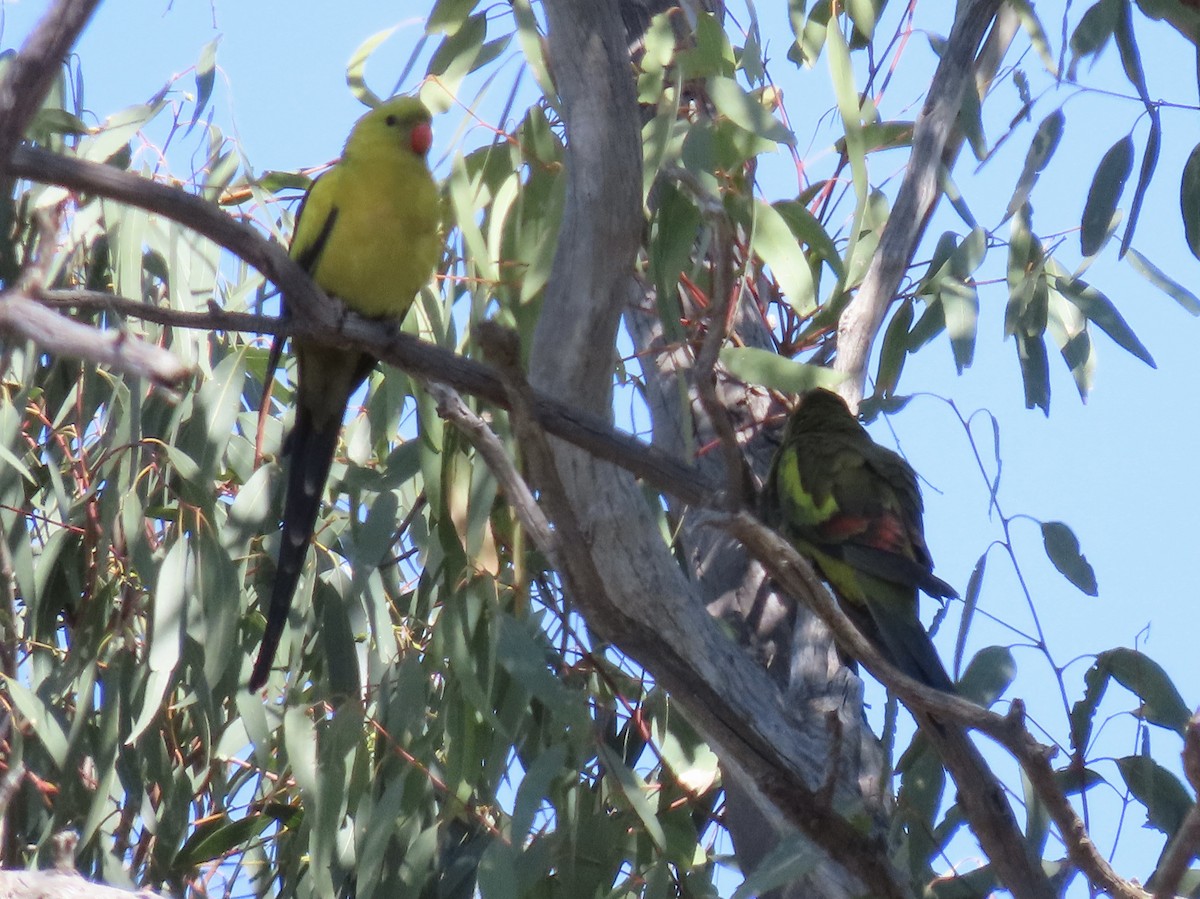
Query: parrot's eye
(391, 120)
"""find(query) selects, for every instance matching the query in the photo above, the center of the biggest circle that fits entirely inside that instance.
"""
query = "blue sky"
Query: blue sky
(1119, 470)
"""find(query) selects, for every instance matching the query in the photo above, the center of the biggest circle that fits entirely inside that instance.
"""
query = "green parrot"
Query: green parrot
(367, 232)
(853, 509)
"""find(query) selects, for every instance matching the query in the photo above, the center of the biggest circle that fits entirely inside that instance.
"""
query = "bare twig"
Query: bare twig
(213, 319)
(720, 302)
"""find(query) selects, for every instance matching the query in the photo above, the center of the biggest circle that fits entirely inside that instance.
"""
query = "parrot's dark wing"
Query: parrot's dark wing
(307, 259)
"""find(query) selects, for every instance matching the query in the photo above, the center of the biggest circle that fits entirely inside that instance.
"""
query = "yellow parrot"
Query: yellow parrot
(368, 233)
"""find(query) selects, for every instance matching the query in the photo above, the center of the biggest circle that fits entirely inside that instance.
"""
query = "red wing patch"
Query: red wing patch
(885, 531)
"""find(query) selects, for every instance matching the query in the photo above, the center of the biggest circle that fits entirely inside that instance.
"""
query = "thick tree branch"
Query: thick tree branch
(30, 73)
(23, 318)
(645, 604)
(657, 643)
(863, 316)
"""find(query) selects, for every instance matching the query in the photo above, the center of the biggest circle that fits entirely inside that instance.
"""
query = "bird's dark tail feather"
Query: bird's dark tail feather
(914, 654)
(310, 450)
(906, 644)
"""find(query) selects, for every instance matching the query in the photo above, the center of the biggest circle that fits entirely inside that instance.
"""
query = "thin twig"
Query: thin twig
(213, 319)
(451, 407)
(720, 304)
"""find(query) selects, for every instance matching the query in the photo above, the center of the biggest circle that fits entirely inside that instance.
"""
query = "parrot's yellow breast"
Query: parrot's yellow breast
(384, 242)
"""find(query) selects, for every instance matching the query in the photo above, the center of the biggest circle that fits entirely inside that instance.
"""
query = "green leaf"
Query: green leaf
(1149, 163)
(959, 298)
(1100, 310)
(1068, 327)
(1074, 780)
(498, 878)
(792, 858)
(970, 604)
(1041, 148)
(1035, 372)
(274, 182)
(1131, 57)
(1166, 799)
(463, 52)
(1159, 279)
(356, 74)
(756, 366)
(1145, 678)
(774, 241)
(218, 836)
(893, 351)
(1104, 194)
(746, 111)
(632, 789)
(1189, 200)
(1026, 275)
(534, 788)
(1037, 34)
(808, 229)
(206, 76)
(116, 132)
(174, 587)
(1063, 549)
(882, 136)
(988, 675)
(682, 749)
(447, 16)
(39, 718)
(1094, 30)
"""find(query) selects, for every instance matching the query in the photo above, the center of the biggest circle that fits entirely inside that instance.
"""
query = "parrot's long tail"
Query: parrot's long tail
(311, 450)
(903, 641)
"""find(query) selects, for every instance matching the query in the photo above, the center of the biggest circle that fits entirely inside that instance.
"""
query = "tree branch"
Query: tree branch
(451, 407)
(24, 318)
(673, 663)
(29, 73)
(860, 321)
(322, 319)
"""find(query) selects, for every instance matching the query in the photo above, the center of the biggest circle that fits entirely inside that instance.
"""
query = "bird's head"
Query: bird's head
(399, 123)
(820, 411)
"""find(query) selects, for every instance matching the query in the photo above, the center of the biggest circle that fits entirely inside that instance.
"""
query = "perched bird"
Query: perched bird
(367, 232)
(853, 508)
